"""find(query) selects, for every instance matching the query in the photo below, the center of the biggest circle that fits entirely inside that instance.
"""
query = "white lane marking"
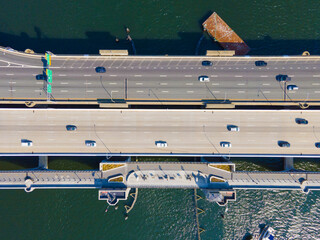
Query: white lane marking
(190, 91)
(139, 83)
(316, 91)
(87, 83)
(89, 91)
(241, 84)
(188, 75)
(251, 118)
(62, 75)
(12, 82)
(126, 132)
(38, 90)
(9, 74)
(64, 91)
(163, 75)
(266, 84)
(164, 83)
(266, 91)
(264, 76)
(214, 75)
(165, 91)
(112, 75)
(64, 83)
(291, 75)
(113, 83)
(138, 75)
(189, 84)
(140, 91)
(12, 90)
(238, 76)
(316, 75)
(87, 75)
(241, 91)
(215, 84)
(215, 91)
(315, 83)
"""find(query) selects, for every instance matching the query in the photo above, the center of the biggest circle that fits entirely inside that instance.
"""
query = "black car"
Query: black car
(261, 63)
(41, 77)
(317, 144)
(71, 128)
(283, 144)
(100, 70)
(301, 121)
(206, 63)
(282, 78)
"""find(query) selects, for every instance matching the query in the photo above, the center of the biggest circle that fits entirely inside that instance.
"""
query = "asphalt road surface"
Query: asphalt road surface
(159, 78)
(136, 131)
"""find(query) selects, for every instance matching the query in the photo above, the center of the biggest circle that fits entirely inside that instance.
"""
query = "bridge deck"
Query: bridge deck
(161, 175)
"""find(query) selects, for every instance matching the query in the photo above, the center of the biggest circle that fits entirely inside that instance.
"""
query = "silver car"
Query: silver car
(204, 79)
(90, 143)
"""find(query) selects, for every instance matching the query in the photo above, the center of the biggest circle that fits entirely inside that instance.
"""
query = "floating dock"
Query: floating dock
(222, 33)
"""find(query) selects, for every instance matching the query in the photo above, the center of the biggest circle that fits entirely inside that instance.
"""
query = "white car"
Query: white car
(161, 144)
(292, 87)
(26, 143)
(90, 143)
(225, 144)
(233, 128)
(204, 79)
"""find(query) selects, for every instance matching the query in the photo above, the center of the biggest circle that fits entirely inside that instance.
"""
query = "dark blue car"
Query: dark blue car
(206, 63)
(261, 63)
(283, 78)
(100, 70)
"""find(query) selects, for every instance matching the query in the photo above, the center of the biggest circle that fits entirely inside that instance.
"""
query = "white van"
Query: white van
(26, 143)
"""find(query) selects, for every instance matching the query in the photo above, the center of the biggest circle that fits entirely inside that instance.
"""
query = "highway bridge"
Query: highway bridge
(130, 132)
(159, 79)
(218, 180)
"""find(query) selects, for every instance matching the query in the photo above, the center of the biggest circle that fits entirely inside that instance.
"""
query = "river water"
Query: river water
(157, 27)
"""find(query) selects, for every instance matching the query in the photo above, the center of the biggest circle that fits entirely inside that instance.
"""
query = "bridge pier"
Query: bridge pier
(288, 164)
(43, 162)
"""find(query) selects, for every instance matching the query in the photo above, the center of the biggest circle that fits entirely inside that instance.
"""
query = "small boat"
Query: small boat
(267, 233)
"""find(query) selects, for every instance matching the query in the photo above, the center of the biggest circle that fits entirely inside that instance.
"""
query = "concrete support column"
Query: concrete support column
(43, 162)
(288, 163)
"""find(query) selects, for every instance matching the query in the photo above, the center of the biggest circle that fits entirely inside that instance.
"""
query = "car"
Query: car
(317, 144)
(283, 78)
(26, 143)
(161, 144)
(261, 63)
(292, 87)
(283, 144)
(41, 77)
(225, 144)
(206, 63)
(233, 128)
(90, 143)
(100, 69)
(301, 121)
(204, 79)
(71, 128)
